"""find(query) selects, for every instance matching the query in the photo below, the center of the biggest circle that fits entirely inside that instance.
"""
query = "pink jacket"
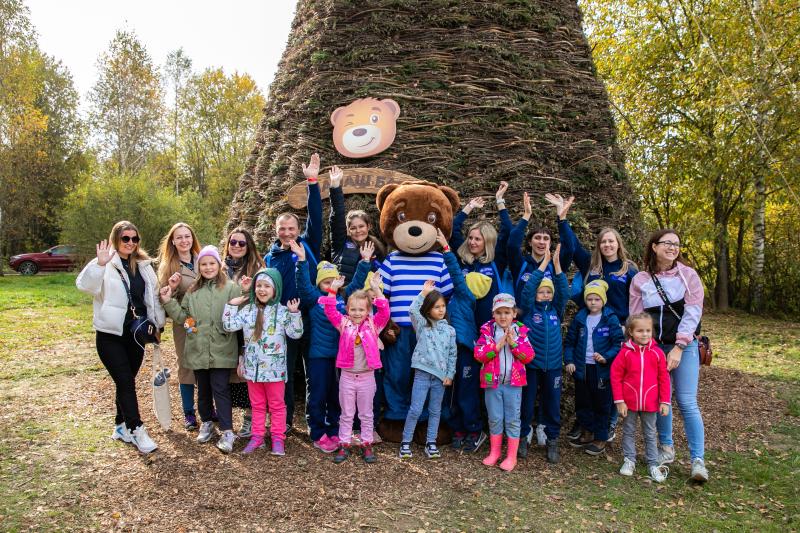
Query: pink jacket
(639, 377)
(367, 330)
(486, 353)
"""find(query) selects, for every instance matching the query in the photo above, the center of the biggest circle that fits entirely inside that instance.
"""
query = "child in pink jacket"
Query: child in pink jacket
(641, 389)
(359, 356)
(504, 349)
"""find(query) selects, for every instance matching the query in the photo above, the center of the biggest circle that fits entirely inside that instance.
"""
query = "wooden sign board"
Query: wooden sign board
(354, 181)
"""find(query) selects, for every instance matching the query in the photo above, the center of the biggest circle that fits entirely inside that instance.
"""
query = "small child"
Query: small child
(358, 357)
(641, 389)
(266, 325)
(210, 351)
(593, 340)
(504, 349)
(434, 361)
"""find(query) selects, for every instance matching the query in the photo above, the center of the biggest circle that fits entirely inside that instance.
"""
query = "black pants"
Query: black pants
(122, 357)
(295, 350)
(214, 383)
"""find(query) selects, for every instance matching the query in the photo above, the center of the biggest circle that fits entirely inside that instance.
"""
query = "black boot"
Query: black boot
(522, 451)
(552, 451)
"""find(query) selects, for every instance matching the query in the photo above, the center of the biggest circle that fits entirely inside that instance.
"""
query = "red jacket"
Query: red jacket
(639, 377)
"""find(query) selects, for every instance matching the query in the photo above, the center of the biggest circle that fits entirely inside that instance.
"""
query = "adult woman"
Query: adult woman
(671, 291)
(176, 257)
(349, 232)
(124, 286)
(240, 259)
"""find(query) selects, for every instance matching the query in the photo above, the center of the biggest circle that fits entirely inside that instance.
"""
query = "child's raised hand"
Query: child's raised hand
(104, 252)
(622, 409)
(312, 170)
(557, 259)
(298, 249)
(337, 284)
(561, 204)
(501, 191)
(545, 260)
(367, 250)
(239, 300)
(293, 305)
(473, 203)
(441, 239)
(336, 177)
(165, 293)
(447, 382)
(429, 286)
(527, 210)
(663, 409)
(174, 280)
(375, 283)
(570, 368)
(245, 283)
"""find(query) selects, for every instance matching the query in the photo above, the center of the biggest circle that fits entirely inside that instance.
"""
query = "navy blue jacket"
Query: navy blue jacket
(284, 260)
(544, 320)
(344, 252)
(607, 340)
(324, 337)
(461, 305)
(522, 266)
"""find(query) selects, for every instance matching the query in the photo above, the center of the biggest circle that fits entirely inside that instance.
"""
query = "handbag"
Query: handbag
(703, 342)
(143, 329)
(161, 401)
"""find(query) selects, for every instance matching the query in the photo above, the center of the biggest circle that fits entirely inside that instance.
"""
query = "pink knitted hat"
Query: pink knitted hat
(209, 250)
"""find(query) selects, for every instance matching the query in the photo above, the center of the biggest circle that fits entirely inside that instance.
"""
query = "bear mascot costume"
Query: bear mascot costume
(410, 214)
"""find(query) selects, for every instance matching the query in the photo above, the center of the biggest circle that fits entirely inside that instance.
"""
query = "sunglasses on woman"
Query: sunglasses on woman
(126, 239)
(240, 244)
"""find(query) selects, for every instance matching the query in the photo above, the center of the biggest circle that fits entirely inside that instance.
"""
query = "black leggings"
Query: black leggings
(122, 357)
(213, 383)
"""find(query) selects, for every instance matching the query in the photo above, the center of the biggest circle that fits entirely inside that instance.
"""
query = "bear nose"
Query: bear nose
(415, 231)
(360, 132)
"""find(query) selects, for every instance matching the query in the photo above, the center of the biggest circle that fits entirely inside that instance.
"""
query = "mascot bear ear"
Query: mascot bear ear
(392, 106)
(452, 196)
(384, 193)
(335, 113)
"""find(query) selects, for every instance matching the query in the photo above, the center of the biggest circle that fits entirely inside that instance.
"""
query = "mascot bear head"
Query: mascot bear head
(412, 211)
(365, 127)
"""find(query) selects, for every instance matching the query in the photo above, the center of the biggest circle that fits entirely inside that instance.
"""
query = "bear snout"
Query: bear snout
(360, 132)
(415, 231)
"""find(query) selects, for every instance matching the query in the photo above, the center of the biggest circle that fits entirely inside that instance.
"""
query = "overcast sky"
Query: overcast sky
(243, 35)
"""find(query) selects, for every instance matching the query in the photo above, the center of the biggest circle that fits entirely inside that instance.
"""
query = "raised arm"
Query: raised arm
(338, 222)
(383, 314)
(313, 232)
(292, 319)
(333, 314)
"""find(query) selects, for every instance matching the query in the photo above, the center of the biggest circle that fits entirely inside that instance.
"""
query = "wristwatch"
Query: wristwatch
(680, 345)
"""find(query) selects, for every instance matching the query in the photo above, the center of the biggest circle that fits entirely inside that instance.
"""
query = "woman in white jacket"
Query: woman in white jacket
(121, 258)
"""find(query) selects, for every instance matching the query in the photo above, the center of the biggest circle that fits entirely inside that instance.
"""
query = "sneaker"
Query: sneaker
(355, 440)
(627, 467)
(225, 442)
(278, 447)
(325, 444)
(522, 451)
(666, 454)
(335, 440)
(405, 450)
(659, 473)
(369, 456)
(122, 433)
(256, 443)
(553, 455)
(458, 440)
(376, 439)
(206, 431)
(541, 436)
(699, 470)
(585, 439)
(432, 451)
(247, 427)
(342, 454)
(189, 422)
(575, 432)
(142, 440)
(474, 441)
(595, 449)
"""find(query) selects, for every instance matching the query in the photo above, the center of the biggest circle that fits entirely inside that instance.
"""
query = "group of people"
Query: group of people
(487, 347)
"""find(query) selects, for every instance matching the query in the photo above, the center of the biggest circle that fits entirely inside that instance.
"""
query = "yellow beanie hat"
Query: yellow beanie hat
(547, 282)
(598, 287)
(478, 284)
(326, 270)
(368, 285)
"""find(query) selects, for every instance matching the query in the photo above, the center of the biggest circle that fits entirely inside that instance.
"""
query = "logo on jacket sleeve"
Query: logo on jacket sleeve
(349, 244)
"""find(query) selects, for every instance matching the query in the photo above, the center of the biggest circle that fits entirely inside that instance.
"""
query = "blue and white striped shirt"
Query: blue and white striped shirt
(403, 278)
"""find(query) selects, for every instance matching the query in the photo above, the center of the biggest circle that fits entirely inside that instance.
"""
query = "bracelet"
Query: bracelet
(446, 249)
(332, 292)
(501, 202)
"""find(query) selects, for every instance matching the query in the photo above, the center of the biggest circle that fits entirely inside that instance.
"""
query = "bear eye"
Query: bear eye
(373, 119)
(431, 218)
(401, 216)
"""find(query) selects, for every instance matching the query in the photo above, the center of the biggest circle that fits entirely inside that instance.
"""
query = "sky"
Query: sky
(237, 35)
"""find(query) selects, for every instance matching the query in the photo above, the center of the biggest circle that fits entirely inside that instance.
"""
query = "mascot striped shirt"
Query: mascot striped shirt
(403, 278)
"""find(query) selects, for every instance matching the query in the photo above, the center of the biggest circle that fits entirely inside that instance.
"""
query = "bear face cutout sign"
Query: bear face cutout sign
(365, 127)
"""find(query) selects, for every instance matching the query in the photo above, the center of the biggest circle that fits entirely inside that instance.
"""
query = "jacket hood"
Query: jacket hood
(277, 281)
(630, 345)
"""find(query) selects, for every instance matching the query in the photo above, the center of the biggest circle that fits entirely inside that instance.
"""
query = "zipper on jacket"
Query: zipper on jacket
(641, 378)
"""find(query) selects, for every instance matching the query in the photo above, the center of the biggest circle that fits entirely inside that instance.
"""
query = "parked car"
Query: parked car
(61, 257)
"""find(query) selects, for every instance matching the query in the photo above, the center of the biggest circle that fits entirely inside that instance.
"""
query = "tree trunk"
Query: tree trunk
(721, 252)
(759, 244)
(737, 284)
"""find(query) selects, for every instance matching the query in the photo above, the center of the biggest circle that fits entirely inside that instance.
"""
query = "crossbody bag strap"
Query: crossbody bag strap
(663, 294)
(127, 291)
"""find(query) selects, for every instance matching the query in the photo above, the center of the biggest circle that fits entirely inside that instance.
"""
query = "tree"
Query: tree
(127, 104)
(178, 69)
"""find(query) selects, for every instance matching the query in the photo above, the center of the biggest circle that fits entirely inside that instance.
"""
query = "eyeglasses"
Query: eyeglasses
(126, 239)
(670, 244)
(240, 244)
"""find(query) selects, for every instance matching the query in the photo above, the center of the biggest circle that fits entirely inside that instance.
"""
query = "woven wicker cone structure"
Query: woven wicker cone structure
(489, 91)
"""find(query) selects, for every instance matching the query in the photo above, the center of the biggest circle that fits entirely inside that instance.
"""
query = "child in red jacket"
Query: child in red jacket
(641, 389)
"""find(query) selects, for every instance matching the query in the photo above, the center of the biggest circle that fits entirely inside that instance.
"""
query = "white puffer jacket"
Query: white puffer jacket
(111, 297)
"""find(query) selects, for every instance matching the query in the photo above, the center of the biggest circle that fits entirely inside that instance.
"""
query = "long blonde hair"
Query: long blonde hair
(139, 254)
(596, 264)
(489, 235)
(168, 260)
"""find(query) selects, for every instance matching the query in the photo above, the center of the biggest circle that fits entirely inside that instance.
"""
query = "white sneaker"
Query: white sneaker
(659, 473)
(122, 433)
(225, 442)
(142, 440)
(666, 454)
(246, 430)
(541, 437)
(699, 470)
(206, 431)
(628, 467)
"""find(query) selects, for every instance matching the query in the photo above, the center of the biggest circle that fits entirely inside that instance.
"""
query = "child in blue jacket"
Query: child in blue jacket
(322, 406)
(593, 341)
(542, 303)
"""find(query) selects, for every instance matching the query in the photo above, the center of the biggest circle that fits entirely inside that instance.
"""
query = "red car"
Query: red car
(61, 257)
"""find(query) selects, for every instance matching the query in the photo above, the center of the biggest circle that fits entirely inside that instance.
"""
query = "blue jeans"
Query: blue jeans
(187, 398)
(684, 384)
(397, 376)
(548, 383)
(503, 406)
(424, 383)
